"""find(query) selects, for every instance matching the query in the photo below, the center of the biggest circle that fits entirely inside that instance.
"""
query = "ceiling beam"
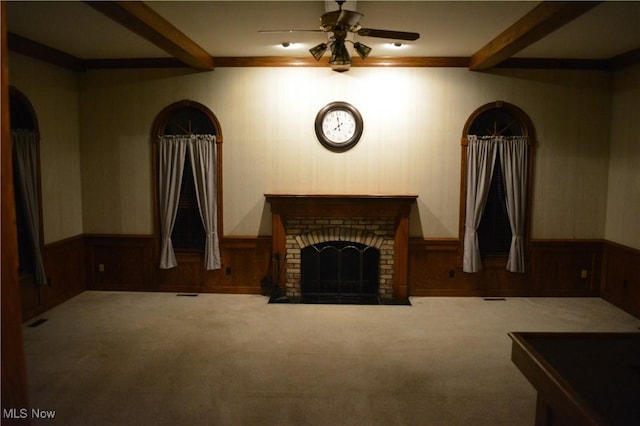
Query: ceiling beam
(625, 60)
(541, 21)
(148, 24)
(42, 52)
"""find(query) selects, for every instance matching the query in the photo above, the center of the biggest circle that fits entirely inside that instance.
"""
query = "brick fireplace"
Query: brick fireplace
(377, 221)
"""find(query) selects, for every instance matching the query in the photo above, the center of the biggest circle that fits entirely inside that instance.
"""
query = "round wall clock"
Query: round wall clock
(339, 126)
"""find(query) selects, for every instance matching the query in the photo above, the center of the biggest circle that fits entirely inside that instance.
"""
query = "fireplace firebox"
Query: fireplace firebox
(339, 270)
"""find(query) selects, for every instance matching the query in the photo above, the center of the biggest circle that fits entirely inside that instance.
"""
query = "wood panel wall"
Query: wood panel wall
(620, 283)
(64, 268)
(566, 267)
(245, 262)
(129, 262)
(119, 262)
(556, 268)
(576, 268)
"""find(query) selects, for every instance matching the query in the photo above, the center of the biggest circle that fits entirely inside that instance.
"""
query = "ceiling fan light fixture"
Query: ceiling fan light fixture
(340, 59)
(362, 50)
(318, 51)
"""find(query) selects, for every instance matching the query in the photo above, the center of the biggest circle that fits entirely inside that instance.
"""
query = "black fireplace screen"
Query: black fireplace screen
(339, 268)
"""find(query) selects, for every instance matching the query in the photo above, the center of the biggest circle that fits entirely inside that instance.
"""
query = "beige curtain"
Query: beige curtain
(202, 152)
(25, 163)
(481, 156)
(513, 157)
(172, 151)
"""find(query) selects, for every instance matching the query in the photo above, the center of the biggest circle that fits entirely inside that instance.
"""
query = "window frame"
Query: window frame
(157, 129)
(528, 130)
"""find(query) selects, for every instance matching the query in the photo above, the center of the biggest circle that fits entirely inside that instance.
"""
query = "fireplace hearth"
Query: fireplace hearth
(339, 229)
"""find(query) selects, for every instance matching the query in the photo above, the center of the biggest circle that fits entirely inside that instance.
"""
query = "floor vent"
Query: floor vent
(187, 294)
(494, 299)
(38, 322)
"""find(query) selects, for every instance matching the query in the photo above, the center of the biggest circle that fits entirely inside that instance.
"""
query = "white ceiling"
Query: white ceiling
(230, 28)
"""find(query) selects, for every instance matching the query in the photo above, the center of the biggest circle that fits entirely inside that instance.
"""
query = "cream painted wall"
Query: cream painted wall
(411, 142)
(623, 207)
(54, 94)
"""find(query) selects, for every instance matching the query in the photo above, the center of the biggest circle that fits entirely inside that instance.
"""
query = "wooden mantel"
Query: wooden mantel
(362, 205)
(298, 205)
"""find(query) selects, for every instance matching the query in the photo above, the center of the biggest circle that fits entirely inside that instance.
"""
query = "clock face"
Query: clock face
(339, 126)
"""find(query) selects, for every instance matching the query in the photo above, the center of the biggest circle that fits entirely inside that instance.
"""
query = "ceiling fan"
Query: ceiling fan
(341, 23)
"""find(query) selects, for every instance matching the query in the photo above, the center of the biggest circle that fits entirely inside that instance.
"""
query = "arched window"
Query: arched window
(497, 159)
(187, 155)
(25, 138)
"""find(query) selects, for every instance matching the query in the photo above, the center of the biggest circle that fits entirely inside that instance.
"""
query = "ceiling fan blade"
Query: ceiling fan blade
(288, 31)
(396, 35)
(340, 18)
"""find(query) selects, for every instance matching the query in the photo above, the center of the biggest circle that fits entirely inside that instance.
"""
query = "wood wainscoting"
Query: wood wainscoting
(556, 268)
(129, 263)
(620, 283)
(566, 267)
(245, 262)
(64, 267)
(119, 262)
(577, 268)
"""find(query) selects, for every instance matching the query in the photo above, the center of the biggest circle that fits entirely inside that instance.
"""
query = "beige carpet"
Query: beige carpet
(118, 358)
